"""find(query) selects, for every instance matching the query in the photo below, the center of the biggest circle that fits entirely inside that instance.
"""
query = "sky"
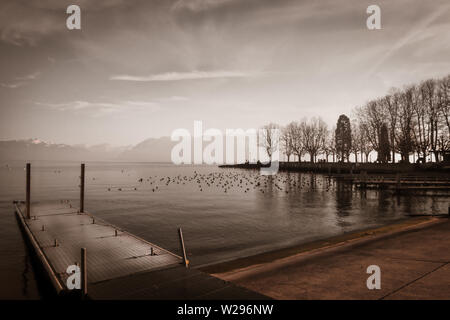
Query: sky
(140, 69)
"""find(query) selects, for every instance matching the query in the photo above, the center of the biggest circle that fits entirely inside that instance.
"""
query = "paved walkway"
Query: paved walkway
(415, 264)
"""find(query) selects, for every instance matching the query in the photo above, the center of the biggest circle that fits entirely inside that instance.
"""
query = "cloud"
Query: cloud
(13, 85)
(178, 76)
(98, 109)
(22, 81)
(31, 76)
(414, 34)
(22, 25)
(25, 23)
(175, 99)
(199, 5)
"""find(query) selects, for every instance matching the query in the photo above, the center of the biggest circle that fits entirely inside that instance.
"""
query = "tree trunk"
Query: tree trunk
(436, 155)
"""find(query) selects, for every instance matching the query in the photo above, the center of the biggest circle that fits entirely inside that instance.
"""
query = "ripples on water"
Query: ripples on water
(225, 213)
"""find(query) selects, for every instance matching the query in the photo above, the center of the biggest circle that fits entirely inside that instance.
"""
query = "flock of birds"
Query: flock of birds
(227, 181)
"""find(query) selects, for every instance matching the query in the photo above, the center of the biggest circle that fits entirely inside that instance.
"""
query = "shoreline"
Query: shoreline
(235, 266)
(351, 167)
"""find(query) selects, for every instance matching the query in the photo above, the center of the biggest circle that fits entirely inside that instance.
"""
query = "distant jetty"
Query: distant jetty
(351, 168)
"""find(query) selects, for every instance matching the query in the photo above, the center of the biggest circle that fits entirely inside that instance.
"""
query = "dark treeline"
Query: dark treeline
(412, 122)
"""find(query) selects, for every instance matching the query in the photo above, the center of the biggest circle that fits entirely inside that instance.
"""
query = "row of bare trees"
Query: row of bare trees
(305, 137)
(409, 122)
(412, 121)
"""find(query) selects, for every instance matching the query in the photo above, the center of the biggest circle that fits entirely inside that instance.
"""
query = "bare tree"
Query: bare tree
(314, 136)
(391, 104)
(445, 102)
(428, 94)
(404, 137)
(364, 143)
(287, 140)
(331, 143)
(356, 136)
(421, 130)
(269, 139)
(298, 148)
(417, 120)
(373, 116)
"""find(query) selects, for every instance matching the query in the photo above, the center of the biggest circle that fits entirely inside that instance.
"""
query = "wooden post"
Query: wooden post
(82, 188)
(28, 190)
(83, 273)
(185, 260)
(397, 178)
(364, 178)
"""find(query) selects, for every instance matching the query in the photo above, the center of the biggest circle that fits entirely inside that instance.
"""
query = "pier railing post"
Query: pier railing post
(28, 190)
(397, 180)
(82, 188)
(83, 273)
(183, 249)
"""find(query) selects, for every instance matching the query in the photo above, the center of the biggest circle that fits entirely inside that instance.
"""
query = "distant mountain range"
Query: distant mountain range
(150, 150)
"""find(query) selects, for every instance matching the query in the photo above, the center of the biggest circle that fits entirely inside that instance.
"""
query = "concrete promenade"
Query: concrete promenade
(414, 263)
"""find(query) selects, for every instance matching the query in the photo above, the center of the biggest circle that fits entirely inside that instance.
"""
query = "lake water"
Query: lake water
(224, 213)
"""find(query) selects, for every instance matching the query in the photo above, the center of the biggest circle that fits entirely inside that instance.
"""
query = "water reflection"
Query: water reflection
(343, 199)
(225, 213)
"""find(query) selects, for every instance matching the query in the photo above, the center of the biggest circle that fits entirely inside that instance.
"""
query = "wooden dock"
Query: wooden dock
(109, 262)
(403, 182)
(396, 182)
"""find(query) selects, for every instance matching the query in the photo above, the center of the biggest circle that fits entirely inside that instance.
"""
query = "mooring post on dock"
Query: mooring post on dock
(28, 190)
(83, 273)
(183, 249)
(82, 188)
